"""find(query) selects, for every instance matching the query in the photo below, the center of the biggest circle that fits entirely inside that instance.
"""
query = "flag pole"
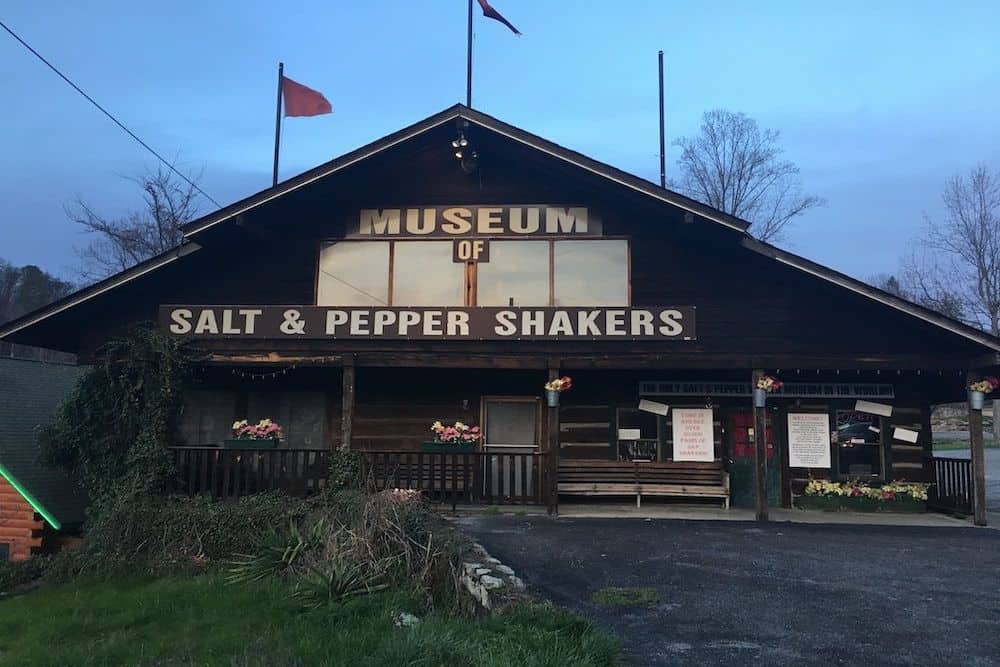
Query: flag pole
(663, 133)
(468, 75)
(277, 123)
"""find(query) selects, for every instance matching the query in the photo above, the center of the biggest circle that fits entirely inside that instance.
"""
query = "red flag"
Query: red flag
(303, 101)
(491, 13)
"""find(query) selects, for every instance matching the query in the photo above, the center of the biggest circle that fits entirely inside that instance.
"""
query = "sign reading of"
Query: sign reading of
(451, 221)
(470, 250)
(429, 323)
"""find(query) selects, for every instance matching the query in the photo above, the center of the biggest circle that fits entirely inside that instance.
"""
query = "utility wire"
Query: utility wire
(108, 114)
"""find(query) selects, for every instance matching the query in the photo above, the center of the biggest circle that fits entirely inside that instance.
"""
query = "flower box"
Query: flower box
(448, 448)
(252, 443)
(858, 504)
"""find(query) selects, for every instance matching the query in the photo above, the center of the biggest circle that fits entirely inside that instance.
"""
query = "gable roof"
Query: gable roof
(192, 229)
(231, 213)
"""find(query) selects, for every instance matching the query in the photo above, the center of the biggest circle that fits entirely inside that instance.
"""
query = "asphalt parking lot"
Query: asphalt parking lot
(733, 592)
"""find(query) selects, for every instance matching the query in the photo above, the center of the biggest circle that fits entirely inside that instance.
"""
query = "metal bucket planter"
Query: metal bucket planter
(552, 398)
(976, 400)
(759, 398)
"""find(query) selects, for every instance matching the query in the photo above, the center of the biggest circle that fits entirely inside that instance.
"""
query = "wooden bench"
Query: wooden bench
(615, 478)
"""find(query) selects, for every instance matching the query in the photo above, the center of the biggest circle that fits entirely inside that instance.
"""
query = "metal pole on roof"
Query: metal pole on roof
(468, 73)
(663, 132)
(277, 123)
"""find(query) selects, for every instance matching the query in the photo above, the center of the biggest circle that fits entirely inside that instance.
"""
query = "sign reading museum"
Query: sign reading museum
(489, 221)
(378, 322)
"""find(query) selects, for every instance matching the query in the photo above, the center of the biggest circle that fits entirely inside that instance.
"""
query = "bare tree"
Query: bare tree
(958, 265)
(120, 243)
(959, 259)
(735, 166)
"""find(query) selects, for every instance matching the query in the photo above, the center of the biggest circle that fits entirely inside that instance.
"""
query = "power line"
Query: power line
(108, 114)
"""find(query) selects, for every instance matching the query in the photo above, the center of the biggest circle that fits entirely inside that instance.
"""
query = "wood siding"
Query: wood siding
(20, 528)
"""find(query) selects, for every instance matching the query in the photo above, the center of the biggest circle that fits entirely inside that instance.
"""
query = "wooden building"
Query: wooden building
(448, 270)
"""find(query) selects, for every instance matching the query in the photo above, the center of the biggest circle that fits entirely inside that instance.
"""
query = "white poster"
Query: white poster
(629, 434)
(905, 434)
(880, 409)
(694, 437)
(654, 407)
(808, 440)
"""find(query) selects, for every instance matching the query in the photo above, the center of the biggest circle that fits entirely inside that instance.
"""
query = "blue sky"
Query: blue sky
(877, 105)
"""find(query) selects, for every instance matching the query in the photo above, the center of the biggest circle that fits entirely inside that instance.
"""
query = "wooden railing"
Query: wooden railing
(473, 478)
(952, 485)
(232, 473)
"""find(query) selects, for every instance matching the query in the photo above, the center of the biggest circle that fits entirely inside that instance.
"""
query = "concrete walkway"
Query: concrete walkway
(775, 514)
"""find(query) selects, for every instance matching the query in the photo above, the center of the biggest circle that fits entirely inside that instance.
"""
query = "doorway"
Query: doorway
(511, 425)
(742, 470)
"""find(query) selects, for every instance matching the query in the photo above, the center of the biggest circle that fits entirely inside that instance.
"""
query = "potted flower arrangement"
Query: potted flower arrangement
(265, 434)
(765, 385)
(555, 387)
(979, 389)
(859, 496)
(458, 438)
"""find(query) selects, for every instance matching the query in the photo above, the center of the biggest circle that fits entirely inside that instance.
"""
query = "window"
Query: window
(425, 275)
(591, 273)
(353, 274)
(207, 417)
(517, 274)
(859, 444)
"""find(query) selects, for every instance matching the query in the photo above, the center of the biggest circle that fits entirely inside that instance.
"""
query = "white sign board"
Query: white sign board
(652, 406)
(906, 435)
(694, 437)
(880, 409)
(629, 434)
(808, 440)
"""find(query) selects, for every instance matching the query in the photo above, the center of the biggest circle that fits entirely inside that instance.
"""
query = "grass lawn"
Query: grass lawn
(950, 445)
(203, 621)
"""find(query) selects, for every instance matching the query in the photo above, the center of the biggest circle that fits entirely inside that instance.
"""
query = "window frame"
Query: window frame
(471, 287)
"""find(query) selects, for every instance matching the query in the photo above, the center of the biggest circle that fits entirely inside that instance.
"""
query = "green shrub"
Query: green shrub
(176, 532)
(346, 470)
(14, 574)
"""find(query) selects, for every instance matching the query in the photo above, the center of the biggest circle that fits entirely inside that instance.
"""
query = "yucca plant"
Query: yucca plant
(279, 553)
(335, 581)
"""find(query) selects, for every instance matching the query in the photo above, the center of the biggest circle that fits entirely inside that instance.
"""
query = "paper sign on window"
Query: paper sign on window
(694, 436)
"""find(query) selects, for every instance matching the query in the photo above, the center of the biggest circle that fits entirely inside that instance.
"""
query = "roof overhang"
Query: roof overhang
(881, 296)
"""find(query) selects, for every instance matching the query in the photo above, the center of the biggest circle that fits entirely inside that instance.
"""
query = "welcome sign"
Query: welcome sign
(392, 323)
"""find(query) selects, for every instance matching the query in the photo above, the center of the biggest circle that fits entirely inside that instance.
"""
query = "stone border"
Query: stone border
(488, 580)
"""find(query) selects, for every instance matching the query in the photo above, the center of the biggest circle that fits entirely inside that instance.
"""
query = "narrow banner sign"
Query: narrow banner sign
(314, 322)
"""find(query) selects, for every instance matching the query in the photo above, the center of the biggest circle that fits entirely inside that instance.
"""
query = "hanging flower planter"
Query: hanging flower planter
(555, 387)
(979, 389)
(765, 385)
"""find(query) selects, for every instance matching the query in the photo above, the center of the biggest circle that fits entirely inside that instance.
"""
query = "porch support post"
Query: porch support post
(347, 404)
(552, 437)
(978, 460)
(760, 453)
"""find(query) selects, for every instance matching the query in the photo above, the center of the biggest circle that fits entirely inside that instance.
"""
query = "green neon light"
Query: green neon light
(37, 506)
